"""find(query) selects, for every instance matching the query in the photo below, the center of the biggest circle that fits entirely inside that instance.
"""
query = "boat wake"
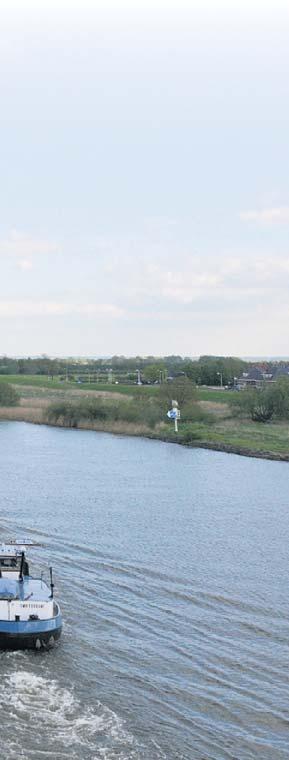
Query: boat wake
(61, 726)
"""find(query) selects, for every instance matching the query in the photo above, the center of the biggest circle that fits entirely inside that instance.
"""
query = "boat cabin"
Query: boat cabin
(12, 561)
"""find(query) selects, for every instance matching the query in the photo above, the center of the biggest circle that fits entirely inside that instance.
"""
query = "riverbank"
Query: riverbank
(219, 431)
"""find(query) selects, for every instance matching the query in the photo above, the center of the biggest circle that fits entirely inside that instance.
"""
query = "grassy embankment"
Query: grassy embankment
(123, 409)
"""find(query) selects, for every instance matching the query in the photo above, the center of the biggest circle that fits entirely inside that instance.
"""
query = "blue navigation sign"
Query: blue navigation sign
(172, 414)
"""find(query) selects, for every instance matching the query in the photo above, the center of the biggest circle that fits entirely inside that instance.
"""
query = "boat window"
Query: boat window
(8, 562)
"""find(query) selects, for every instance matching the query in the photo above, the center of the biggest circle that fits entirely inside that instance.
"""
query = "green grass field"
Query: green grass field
(42, 381)
(242, 434)
(219, 397)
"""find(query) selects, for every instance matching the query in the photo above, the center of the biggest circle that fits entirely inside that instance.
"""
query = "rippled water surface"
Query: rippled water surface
(171, 566)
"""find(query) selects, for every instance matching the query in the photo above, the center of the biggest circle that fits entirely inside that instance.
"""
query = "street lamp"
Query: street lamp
(221, 378)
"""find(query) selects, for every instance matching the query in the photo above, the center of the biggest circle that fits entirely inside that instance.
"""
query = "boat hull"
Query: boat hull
(40, 634)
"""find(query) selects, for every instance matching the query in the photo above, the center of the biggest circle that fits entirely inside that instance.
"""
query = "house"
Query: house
(253, 378)
(256, 377)
(280, 372)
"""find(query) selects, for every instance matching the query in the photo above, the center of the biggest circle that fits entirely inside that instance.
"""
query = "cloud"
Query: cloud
(208, 282)
(188, 287)
(25, 264)
(275, 215)
(23, 246)
(107, 309)
(54, 309)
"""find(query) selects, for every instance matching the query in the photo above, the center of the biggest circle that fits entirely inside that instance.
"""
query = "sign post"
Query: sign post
(174, 414)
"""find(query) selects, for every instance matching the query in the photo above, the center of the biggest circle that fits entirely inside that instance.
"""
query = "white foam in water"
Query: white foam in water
(41, 719)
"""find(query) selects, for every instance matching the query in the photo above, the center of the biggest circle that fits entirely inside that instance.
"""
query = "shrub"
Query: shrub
(192, 432)
(195, 413)
(72, 413)
(64, 412)
(258, 403)
(8, 395)
(189, 436)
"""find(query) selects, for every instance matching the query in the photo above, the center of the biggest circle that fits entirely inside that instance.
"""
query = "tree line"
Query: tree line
(207, 370)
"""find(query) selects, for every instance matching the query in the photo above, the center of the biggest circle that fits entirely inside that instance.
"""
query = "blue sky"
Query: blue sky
(144, 177)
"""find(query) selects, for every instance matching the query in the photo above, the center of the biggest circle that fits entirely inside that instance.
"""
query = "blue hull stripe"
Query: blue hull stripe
(30, 626)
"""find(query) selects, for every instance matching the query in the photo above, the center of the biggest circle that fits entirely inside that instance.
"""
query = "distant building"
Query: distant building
(280, 372)
(256, 377)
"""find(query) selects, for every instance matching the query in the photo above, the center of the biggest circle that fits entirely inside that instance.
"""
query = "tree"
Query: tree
(153, 372)
(181, 389)
(21, 366)
(193, 371)
(281, 398)
(212, 367)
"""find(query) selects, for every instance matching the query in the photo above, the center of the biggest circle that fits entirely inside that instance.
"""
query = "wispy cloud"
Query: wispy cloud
(25, 264)
(23, 246)
(200, 281)
(54, 309)
(104, 309)
(274, 215)
(186, 287)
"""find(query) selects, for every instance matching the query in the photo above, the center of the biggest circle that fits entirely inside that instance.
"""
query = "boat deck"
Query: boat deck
(29, 588)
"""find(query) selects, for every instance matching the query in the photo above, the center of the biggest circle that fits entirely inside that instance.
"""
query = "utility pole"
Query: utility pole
(221, 378)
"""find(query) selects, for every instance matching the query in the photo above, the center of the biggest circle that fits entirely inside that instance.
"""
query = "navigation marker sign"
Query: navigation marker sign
(174, 414)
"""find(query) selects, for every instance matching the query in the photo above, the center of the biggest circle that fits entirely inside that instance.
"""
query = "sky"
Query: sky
(144, 177)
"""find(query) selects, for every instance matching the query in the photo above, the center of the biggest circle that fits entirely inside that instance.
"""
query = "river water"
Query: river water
(171, 566)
